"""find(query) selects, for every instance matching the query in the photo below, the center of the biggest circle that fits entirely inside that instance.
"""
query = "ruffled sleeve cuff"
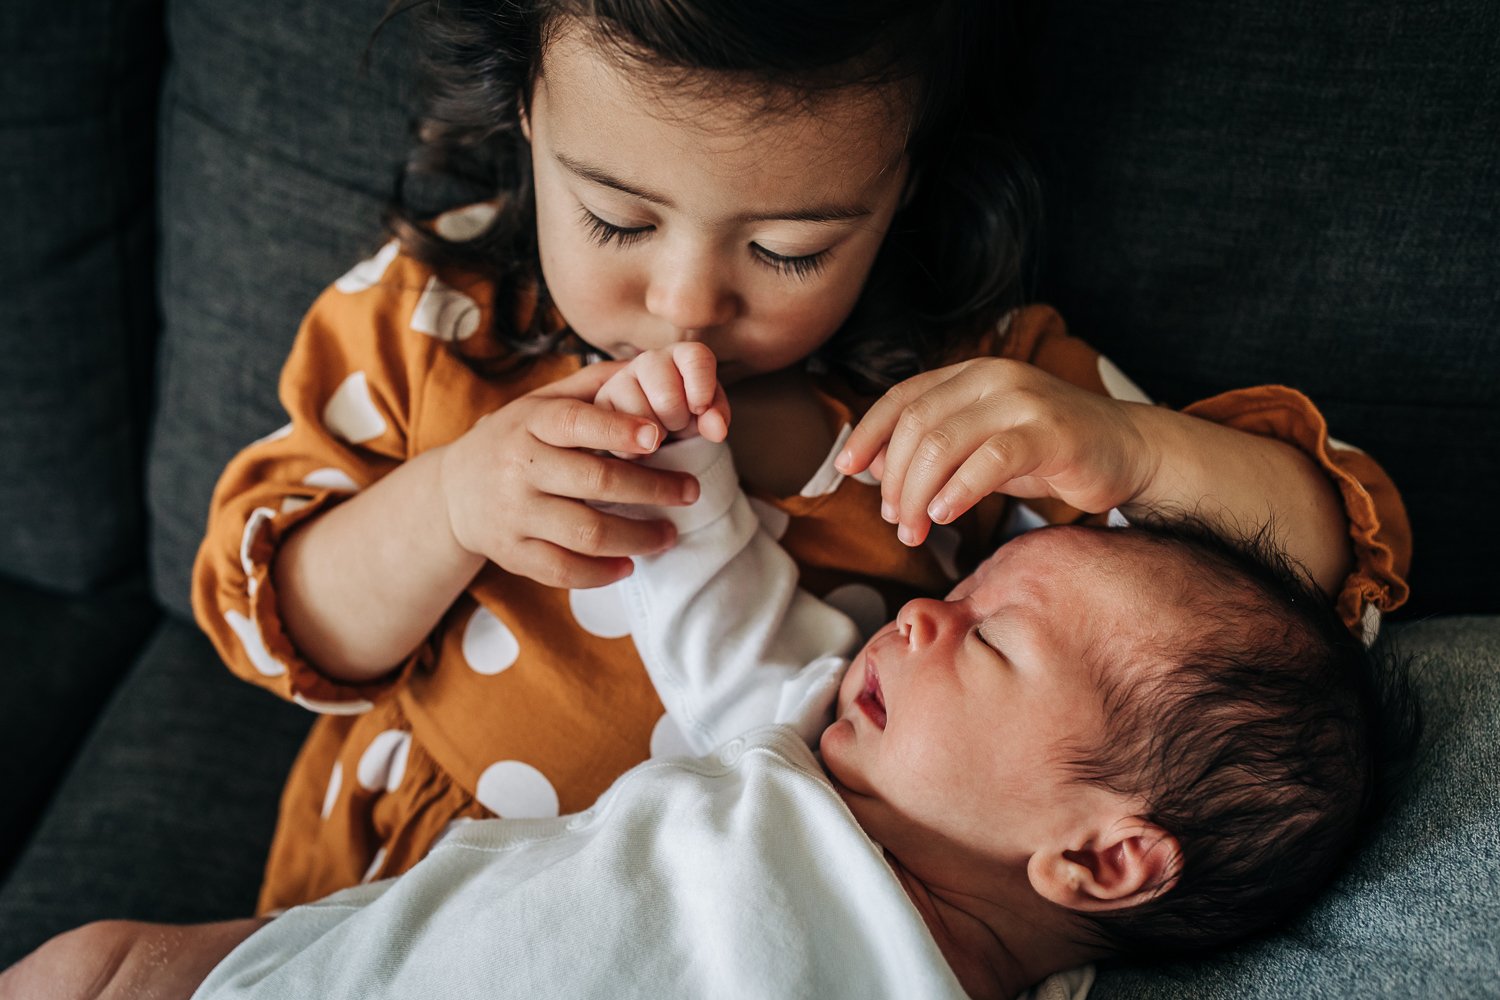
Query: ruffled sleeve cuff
(1379, 533)
(264, 639)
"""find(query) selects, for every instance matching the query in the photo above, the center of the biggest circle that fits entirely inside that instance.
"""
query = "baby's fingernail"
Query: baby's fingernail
(844, 461)
(939, 511)
(888, 512)
(647, 436)
(907, 536)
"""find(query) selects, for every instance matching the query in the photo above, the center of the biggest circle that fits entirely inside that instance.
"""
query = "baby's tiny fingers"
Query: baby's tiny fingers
(698, 369)
(713, 423)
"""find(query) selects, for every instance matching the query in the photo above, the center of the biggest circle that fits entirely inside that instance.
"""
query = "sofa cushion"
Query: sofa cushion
(168, 809)
(78, 86)
(1300, 193)
(63, 657)
(277, 156)
(1415, 915)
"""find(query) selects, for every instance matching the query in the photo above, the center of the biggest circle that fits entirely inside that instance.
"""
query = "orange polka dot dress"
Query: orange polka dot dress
(526, 700)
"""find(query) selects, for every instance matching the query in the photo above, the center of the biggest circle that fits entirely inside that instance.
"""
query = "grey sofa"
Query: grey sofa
(1238, 192)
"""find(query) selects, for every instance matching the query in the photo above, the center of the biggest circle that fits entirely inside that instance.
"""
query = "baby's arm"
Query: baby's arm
(730, 640)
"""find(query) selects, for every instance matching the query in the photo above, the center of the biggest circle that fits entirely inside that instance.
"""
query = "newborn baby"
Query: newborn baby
(1104, 742)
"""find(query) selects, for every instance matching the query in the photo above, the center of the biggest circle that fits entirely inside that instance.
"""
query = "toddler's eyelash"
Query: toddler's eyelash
(800, 268)
(603, 233)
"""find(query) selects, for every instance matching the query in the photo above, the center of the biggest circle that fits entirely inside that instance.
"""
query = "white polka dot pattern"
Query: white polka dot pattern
(351, 413)
(445, 312)
(773, 519)
(335, 784)
(284, 431)
(355, 706)
(464, 224)
(861, 602)
(255, 647)
(331, 479)
(1118, 385)
(601, 611)
(375, 866)
(378, 765)
(667, 739)
(516, 790)
(488, 645)
(292, 504)
(1369, 625)
(367, 273)
(258, 519)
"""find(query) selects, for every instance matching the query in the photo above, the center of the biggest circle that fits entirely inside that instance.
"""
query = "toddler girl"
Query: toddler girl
(821, 196)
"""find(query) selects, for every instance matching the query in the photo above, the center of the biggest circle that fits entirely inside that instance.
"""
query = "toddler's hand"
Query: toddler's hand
(517, 485)
(677, 387)
(945, 439)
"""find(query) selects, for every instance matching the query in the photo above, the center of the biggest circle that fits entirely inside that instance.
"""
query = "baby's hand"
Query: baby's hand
(943, 440)
(677, 387)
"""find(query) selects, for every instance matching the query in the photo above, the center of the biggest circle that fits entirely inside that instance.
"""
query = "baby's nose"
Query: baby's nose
(922, 620)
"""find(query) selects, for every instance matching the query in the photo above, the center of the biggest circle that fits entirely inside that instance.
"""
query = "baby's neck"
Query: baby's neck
(777, 431)
(995, 949)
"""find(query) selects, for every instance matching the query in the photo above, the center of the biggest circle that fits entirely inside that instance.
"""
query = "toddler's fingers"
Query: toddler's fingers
(698, 369)
(571, 423)
(939, 453)
(586, 531)
(624, 394)
(1000, 461)
(583, 475)
(554, 566)
(875, 428)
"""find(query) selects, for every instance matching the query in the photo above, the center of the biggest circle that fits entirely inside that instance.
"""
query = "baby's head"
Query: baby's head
(1161, 738)
(751, 175)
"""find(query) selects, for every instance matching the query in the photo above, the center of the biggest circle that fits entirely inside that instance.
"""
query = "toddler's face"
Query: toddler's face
(667, 216)
(956, 719)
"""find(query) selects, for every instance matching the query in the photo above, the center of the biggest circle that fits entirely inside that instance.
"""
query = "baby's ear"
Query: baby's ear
(1115, 869)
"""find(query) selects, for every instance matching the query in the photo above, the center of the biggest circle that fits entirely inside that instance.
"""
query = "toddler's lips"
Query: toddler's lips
(870, 698)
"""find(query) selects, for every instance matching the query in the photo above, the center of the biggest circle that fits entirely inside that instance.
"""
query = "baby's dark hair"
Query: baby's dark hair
(1267, 746)
(950, 267)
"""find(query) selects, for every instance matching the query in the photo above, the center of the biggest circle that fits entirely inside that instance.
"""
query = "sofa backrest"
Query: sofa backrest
(1300, 193)
(277, 154)
(77, 309)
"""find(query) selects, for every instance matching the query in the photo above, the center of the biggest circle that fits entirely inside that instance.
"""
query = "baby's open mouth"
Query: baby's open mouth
(870, 699)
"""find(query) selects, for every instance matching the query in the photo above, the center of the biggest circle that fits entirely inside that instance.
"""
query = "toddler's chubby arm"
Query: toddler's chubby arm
(943, 440)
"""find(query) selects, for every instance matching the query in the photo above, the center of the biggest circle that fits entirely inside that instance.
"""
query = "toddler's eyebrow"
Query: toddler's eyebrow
(812, 213)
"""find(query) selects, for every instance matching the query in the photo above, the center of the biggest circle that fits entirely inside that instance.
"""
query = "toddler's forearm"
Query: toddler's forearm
(360, 586)
(1242, 481)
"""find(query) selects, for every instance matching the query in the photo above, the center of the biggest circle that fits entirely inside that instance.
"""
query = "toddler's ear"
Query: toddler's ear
(1127, 865)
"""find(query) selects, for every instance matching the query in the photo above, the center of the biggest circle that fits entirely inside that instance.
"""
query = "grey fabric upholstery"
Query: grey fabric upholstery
(1303, 193)
(1416, 914)
(277, 156)
(1238, 192)
(78, 85)
(64, 655)
(167, 810)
